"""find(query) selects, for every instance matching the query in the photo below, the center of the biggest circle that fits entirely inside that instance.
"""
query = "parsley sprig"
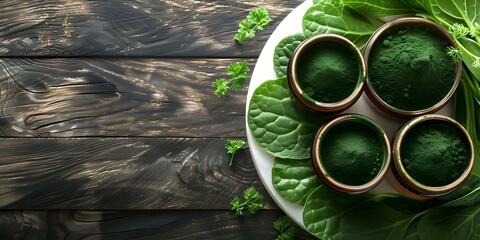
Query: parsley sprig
(238, 75)
(232, 147)
(257, 19)
(253, 201)
(286, 228)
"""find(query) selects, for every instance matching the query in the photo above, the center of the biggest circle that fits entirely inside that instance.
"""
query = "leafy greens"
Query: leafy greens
(238, 74)
(256, 19)
(279, 124)
(294, 180)
(284, 130)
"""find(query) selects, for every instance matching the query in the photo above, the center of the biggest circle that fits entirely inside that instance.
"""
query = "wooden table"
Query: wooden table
(110, 126)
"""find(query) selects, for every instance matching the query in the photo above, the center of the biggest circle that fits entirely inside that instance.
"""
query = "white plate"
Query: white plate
(264, 71)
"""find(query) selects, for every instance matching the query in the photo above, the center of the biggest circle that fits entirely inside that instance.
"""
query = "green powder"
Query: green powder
(328, 71)
(352, 153)
(409, 68)
(434, 154)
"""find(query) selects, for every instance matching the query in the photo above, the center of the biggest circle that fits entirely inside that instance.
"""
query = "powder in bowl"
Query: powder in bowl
(328, 72)
(434, 153)
(351, 154)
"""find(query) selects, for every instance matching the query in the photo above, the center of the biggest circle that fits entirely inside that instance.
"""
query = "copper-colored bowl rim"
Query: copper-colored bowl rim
(322, 173)
(371, 42)
(311, 103)
(409, 181)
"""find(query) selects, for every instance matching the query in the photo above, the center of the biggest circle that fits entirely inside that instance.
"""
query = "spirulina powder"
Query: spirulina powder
(409, 68)
(434, 154)
(328, 71)
(352, 153)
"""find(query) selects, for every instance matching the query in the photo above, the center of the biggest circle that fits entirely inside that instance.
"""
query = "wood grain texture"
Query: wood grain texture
(132, 28)
(71, 97)
(122, 173)
(25, 225)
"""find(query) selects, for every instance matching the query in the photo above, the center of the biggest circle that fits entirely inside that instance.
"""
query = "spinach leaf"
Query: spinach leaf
(446, 222)
(279, 124)
(472, 183)
(283, 52)
(382, 217)
(473, 47)
(324, 210)
(412, 233)
(467, 111)
(331, 215)
(330, 16)
(294, 180)
(419, 5)
(449, 12)
(379, 8)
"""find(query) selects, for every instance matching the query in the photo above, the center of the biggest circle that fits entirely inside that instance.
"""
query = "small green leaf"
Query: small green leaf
(286, 228)
(279, 124)
(221, 87)
(283, 52)
(238, 72)
(253, 201)
(232, 147)
(256, 19)
(294, 180)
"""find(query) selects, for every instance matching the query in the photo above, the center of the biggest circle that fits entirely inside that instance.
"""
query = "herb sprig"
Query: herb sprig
(253, 201)
(232, 147)
(257, 19)
(286, 228)
(238, 75)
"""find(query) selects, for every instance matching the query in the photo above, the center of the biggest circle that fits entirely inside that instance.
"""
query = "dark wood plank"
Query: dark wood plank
(70, 97)
(24, 225)
(139, 225)
(122, 173)
(131, 27)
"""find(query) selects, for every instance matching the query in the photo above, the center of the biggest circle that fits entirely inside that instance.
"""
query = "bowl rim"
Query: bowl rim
(408, 181)
(312, 103)
(330, 181)
(373, 96)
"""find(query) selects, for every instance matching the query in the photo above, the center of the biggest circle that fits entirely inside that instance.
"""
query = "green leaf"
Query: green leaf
(454, 223)
(333, 17)
(283, 52)
(388, 217)
(253, 202)
(412, 233)
(331, 215)
(474, 48)
(379, 8)
(294, 180)
(286, 228)
(279, 124)
(472, 183)
(232, 147)
(221, 87)
(456, 11)
(238, 71)
(256, 19)
(419, 5)
(324, 210)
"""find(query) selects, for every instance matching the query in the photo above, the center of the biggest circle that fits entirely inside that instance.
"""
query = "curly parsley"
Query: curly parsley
(257, 19)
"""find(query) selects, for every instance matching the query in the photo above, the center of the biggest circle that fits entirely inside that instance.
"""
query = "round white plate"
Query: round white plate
(264, 71)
